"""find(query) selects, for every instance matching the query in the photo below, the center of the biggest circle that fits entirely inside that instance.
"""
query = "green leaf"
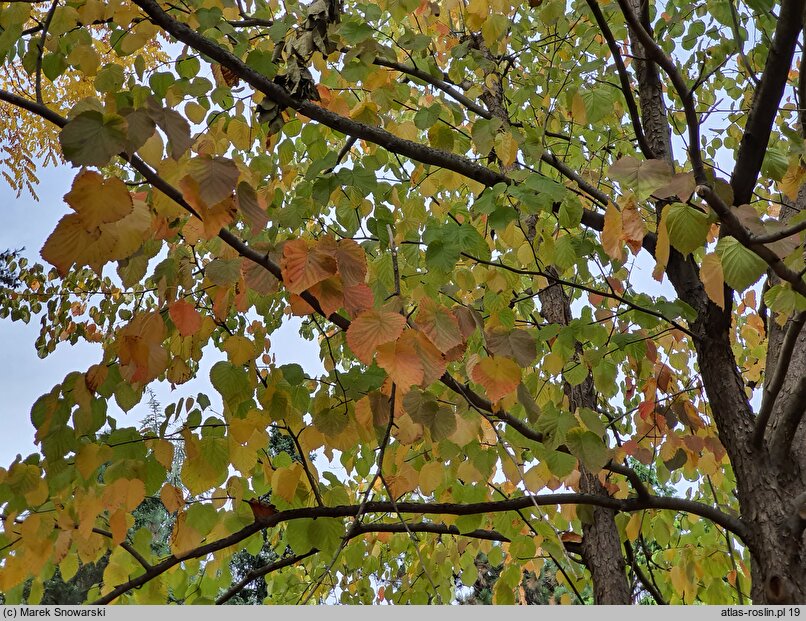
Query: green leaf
(324, 534)
(93, 138)
(231, 381)
(109, 79)
(741, 266)
(688, 227)
(588, 447)
(775, 163)
(561, 464)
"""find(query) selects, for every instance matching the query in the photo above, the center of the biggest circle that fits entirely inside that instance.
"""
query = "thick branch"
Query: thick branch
(765, 101)
(735, 228)
(362, 529)
(525, 502)
(775, 383)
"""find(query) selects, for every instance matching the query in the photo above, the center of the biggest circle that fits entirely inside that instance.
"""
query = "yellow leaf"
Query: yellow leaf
(477, 13)
(89, 457)
(172, 498)
(499, 376)
(534, 479)
(713, 279)
(184, 537)
(98, 200)
(506, 147)
(431, 475)
(633, 527)
(164, 453)
(612, 232)
(240, 349)
(661, 248)
(284, 481)
(578, 111)
(793, 179)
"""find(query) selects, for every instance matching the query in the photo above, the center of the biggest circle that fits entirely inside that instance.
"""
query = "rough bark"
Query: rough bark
(601, 546)
(650, 94)
(769, 484)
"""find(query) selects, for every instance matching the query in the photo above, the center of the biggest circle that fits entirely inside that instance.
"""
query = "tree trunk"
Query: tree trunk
(770, 479)
(601, 546)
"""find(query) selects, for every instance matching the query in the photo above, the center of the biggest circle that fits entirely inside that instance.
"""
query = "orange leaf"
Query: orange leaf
(304, 264)
(185, 317)
(401, 362)
(299, 307)
(71, 243)
(117, 524)
(633, 227)
(372, 328)
(499, 376)
(261, 510)
(352, 262)
(172, 498)
(140, 350)
(330, 294)
(213, 218)
(431, 359)
(358, 298)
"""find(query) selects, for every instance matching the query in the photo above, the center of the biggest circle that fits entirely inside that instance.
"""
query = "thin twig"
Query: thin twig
(41, 50)
(624, 79)
(646, 582)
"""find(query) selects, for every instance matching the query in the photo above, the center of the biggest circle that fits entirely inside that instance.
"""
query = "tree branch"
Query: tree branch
(442, 85)
(734, 227)
(263, 260)
(766, 98)
(363, 529)
(646, 582)
(257, 572)
(126, 546)
(624, 79)
(656, 54)
(740, 43)
(41, 50)
(604, 294)
(790, 420)
(773, 387)
(627, 505)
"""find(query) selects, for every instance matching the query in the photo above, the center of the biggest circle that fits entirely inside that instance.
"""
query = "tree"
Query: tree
(463, 202)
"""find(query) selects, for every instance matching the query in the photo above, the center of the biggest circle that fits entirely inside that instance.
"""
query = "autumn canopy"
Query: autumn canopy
(551, 254)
